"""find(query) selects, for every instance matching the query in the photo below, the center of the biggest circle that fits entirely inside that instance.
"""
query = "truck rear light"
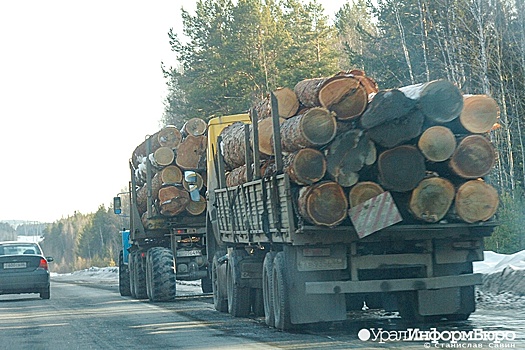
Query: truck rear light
(43, 264)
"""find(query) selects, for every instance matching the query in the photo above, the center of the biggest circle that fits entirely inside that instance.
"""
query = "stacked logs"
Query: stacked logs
(171, 153)
(348, 141)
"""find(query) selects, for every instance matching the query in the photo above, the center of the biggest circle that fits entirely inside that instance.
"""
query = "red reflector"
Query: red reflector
(43, 264)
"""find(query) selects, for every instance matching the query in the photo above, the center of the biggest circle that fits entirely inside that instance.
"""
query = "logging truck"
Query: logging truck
(287, 246)
(166, 239)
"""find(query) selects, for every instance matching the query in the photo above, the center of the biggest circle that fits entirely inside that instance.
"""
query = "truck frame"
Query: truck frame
(158, 251)
(267, 261)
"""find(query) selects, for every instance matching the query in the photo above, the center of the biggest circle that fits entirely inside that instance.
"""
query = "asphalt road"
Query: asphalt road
(97, 317)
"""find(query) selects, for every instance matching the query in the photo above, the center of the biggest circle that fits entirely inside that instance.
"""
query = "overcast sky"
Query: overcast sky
(80, 88)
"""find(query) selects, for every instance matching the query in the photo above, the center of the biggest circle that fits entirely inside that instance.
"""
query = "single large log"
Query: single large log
(363, 191)
(399, 130)
(196, 207)
(266, 135)
(169, 136)
(173, 200)
(479, 114)
(347, 155)
(440, 100)
(437, 143)
(401, 168)
(194, 127)
(233, 145)
(386, 106)
(323, 203)
(305, 166)
(191, 154)
(343, 94)
(162, 157)
(431, 199)
(141, 150)
(287, 104)
(171, 175)
(476, 201)
(315, 128)
(474, 157)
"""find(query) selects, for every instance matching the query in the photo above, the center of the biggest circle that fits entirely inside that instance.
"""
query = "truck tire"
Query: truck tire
(139, 275)
(45, 293)
(162, 278)
(123, 276)
(206, 285)
(281, 301)
(267, 289)
(131, 272)
(218, 279)
(239, 304)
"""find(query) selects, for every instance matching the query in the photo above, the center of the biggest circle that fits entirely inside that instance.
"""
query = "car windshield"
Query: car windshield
(19, 249)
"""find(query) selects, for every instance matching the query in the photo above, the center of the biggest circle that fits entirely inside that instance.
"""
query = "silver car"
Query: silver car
(24, 269)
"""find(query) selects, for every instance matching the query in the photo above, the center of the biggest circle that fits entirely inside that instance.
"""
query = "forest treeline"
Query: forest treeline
(234, 52)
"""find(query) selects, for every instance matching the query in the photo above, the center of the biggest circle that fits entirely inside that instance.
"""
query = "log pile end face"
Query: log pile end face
(474, 157)
(431, 199)
(441, 101)
(476, 201)
(437, 143)
(345, 96)
(323, 203)
(479, 114)
(401, 168)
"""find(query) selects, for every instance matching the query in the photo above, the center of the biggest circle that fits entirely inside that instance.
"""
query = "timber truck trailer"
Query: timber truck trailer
(267, 261)
(159, 250)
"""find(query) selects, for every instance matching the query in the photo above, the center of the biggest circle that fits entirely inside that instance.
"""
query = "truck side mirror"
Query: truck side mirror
(117, 205)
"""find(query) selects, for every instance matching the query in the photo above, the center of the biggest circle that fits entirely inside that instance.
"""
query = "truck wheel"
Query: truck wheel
(206, 285)
(162, 276)
(131, 269)
(267, 289)
(123, 276)
(148, 275)
(139, 277)
(281, 301)
(218, 278)
(45, 293)
(238, 296)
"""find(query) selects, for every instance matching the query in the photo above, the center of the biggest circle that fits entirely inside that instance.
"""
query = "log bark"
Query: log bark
(363, 191)
(431, 199)
(476, 201)
(142, 194)
(287, 104)
(480, 113)
(437, 143)
(236, 176)
(439, 100)
(140, 151)
(305, 166)
(386, 106)
(171, 175)
(401, 168)
(233, 145)
(194, 127)
(347, 155)
(344, 94)
(399, 130)
(196, 208)
(323, 203)
(169, 136)
(474, 157)
(315, 128)
(191, 154)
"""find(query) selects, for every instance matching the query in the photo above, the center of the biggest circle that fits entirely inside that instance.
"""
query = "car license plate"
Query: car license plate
(18, 265)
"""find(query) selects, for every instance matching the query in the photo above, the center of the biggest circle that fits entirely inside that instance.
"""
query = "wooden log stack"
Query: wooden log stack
(172, 151)
(349, 141)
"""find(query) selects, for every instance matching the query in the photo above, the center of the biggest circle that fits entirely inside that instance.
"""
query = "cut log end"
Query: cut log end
(363, 191)
(169, 136)
(195, 127)
(476, 201)
(479, 114)
(437, 143)
(305, 166)
(474, 157)
(196, 207)
(345, 96)
(323, 204)
(401, 168)
(171, 175)
(441, 101)
(319, 126)
(431, 199)
(287, 102)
